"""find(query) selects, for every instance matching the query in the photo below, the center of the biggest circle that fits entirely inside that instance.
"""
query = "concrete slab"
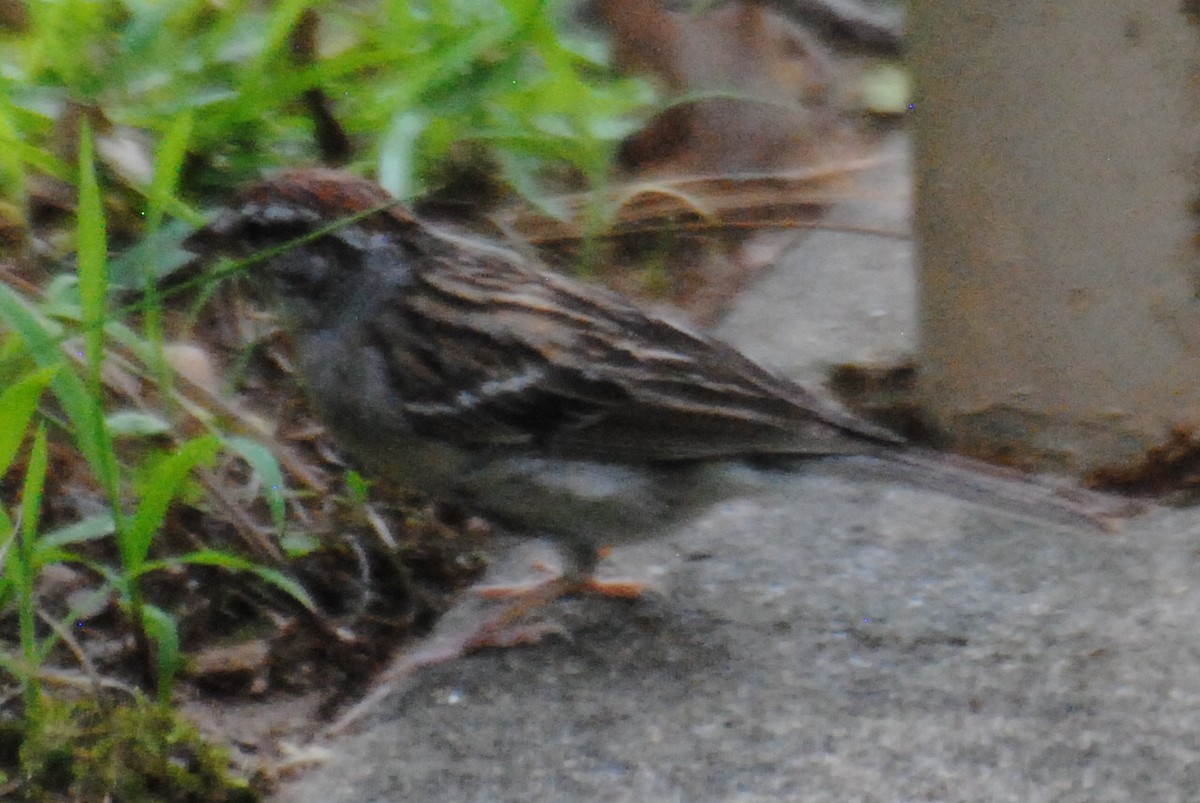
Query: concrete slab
(836, 641)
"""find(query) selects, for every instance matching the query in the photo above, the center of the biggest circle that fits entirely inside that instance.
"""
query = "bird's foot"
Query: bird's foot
(503, 630)
(613, 589)
(565, 585)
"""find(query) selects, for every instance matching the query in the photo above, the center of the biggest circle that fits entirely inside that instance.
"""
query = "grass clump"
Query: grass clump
(114, 116)
(133, 751)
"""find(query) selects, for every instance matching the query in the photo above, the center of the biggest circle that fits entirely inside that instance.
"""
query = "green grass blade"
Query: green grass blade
(31, 506)
(7, 533)
(12, 167)
(92, 260)
(135, 540)
(284, 16)
(161, 627)
(213, 557)
(17, 404)
(168, 162)
(43, 340)
(31, 494)
(167, 165)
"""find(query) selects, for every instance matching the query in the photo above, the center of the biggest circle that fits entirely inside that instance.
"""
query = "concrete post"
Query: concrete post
(1057, 219)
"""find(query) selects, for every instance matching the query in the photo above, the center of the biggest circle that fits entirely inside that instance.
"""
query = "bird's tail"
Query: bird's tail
(1025, 495)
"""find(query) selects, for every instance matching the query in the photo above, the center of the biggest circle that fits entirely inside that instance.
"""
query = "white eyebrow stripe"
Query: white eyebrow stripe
(279, 213)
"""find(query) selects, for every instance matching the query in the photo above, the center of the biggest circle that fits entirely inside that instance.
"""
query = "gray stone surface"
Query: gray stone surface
(837, 641)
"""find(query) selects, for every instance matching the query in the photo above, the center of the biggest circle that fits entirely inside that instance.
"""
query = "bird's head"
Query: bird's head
(315, 231)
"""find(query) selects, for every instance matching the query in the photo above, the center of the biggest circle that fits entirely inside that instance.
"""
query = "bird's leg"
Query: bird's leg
(579, 578)
(613, 589)
(500, 631)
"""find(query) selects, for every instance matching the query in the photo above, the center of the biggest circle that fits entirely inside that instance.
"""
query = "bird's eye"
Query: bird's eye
(303, 271)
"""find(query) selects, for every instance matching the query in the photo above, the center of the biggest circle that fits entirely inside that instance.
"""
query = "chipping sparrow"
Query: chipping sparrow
(556, 408)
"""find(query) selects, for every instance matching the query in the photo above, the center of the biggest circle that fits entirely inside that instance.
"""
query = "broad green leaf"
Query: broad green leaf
(92, 528)
(398, 172)
(885, 89)
(158, 253)
(266, 466)
(297, 545)
(135, 423)
(358, 486)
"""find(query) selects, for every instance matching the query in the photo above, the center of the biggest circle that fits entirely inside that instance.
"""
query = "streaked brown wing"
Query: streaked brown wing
(494, 353)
